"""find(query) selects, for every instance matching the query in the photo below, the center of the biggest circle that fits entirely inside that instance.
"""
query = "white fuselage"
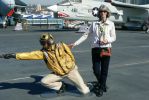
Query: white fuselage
(83, 11)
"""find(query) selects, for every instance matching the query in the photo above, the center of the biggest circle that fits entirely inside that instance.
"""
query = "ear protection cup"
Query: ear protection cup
(46, 38)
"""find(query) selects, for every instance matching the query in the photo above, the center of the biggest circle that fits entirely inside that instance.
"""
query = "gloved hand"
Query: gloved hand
(10, 55)
(71, 46)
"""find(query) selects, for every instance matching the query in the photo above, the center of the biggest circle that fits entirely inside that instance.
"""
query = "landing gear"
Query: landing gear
(144, 28)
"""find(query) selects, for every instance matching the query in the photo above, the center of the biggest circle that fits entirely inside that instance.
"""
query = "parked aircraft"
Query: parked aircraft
(123, 14)
(11, 8)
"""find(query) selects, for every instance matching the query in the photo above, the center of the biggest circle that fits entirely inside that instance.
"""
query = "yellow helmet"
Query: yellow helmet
(46, 38)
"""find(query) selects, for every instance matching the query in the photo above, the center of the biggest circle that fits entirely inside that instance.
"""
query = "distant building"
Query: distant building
(139, 2)
(38, 8)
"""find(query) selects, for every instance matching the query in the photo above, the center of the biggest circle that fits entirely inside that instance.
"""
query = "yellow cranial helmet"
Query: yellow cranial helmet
(46, 38)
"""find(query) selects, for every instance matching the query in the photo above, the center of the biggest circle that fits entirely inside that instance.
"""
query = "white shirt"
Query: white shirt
(99, 31)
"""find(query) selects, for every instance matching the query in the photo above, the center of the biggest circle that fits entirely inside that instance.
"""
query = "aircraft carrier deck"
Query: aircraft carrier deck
(128, 77)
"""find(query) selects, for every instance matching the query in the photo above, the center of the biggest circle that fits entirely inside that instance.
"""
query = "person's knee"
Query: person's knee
(44, 82)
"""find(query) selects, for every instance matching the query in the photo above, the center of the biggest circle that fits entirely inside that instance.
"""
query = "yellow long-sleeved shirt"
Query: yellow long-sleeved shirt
(60, 58)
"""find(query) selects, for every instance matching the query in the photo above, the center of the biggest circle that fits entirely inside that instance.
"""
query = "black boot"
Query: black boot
(62, 89)
(105, 88)
(98, 91)
(92, 85)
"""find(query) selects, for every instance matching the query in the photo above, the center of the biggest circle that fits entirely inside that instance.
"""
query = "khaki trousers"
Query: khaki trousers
(52, 81)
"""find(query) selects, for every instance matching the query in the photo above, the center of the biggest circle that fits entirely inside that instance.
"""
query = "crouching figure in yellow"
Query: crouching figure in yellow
(59, 59)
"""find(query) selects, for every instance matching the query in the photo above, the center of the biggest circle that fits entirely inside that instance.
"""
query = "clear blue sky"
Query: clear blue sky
(42, 2)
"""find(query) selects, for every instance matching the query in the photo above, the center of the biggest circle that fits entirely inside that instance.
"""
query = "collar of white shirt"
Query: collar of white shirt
(106, 23)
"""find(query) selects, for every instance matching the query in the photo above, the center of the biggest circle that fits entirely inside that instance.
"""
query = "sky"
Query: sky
(42, 2)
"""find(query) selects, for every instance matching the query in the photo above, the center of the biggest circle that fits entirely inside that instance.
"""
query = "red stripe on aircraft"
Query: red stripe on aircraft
(61, 14)
(10, 12)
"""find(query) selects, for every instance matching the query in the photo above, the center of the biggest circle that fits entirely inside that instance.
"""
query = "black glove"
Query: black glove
(10, 55)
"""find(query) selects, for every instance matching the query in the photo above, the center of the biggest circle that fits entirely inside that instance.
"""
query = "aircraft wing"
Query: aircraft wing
(81, 19)
(126, 5)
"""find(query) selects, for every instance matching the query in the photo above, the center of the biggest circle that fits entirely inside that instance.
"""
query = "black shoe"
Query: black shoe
(99, 92)
(105, 88)
(92, 85)
(62, 89)
(95, 83)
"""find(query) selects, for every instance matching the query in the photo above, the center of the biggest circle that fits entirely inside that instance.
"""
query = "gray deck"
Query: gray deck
(128, 77)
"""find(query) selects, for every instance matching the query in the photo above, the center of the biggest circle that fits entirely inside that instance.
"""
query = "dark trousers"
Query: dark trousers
(100, 66)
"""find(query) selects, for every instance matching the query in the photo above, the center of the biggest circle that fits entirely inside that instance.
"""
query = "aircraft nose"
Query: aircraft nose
(53, 8)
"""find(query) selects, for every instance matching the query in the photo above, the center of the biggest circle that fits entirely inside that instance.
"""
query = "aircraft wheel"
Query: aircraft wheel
(144, 27)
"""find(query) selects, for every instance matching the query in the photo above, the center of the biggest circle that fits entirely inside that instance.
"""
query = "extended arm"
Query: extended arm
(34, 55)
(81, 39)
